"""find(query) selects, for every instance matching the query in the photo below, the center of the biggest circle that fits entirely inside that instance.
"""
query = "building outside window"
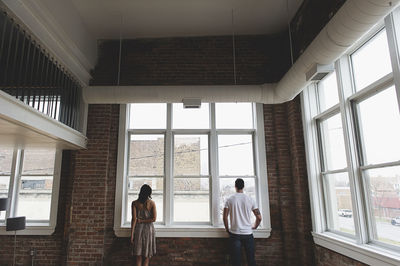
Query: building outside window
(191, 158)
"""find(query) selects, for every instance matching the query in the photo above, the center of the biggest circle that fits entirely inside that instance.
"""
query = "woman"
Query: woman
(143, 237)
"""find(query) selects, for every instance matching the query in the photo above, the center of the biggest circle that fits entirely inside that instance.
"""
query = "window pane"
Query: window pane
(148, 116)
(146, 155)
(235, 155)
(340, 209)
(191, 155)
(328, 92)
(227, 189)
(234, 115)
(38, 162)
(5, 161)
(380, 127)
(34, 199)
(333, 143)
(190, 118)
(372, 61)
(4, 185)
(191, 200)
(157, 186)
(384, 186)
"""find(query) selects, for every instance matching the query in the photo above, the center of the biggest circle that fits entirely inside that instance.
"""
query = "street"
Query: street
(386, 231)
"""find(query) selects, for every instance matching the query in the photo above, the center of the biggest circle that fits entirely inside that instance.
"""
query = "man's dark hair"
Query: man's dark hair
(239, 183)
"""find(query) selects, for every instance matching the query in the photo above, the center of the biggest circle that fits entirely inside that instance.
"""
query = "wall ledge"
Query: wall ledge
(367, 253)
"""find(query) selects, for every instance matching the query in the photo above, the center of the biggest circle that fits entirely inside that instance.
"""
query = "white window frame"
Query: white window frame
(32, 227)
(212, 229)
(362, 247)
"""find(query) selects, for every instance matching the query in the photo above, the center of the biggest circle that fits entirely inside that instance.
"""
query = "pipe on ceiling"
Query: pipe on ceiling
(354, 19)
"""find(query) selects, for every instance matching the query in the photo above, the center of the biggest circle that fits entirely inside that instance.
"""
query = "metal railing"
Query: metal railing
(29, 73)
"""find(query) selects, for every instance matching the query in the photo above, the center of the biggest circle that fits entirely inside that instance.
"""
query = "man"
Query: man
(239, 207)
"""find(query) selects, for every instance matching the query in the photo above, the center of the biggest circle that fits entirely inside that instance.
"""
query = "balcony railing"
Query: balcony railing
(32, 75)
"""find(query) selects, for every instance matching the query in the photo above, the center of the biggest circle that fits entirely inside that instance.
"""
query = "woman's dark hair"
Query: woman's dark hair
(145, 193)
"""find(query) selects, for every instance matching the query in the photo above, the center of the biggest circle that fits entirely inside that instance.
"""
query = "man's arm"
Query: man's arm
(225, 219)
(258, 218)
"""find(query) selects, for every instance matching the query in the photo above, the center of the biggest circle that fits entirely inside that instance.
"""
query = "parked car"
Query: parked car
(396, 220)
(345, 213)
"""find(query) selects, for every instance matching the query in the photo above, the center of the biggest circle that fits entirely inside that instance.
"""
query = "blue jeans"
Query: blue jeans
(236, 242)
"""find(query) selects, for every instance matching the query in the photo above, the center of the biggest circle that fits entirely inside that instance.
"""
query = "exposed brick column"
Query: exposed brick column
(300, 182)
(288, 183)
(90, 206)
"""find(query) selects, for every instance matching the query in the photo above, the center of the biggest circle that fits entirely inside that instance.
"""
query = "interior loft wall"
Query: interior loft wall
(84, 232)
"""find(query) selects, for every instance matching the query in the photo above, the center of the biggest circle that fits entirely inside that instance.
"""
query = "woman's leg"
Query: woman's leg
(146, 261)
(138, 260)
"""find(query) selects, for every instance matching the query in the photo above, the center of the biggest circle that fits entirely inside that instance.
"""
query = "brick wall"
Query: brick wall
(195, 60)
(327, 257)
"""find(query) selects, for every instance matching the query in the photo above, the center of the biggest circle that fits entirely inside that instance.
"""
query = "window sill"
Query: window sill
(190, 231)
(39, 229)
(367, 253)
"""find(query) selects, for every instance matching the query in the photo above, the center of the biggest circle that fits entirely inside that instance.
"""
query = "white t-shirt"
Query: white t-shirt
(240, 210)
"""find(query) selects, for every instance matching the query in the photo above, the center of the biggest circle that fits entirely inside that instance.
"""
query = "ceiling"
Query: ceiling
(105, 19)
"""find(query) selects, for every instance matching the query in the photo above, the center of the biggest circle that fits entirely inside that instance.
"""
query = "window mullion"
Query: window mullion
(10, 207)
(261, 181)
(55, 188)
(122, 167)
(345, 87)
(169, 182)
(214, 168)
(393, 34)
(327, 190)
(18, 159)
(309, 110)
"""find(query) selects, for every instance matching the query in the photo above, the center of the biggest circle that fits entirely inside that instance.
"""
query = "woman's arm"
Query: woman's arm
(154, 215)
(133, 221)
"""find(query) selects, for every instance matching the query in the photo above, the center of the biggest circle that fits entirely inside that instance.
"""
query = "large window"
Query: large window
(191, 158)
(352, 125)
(29, 178)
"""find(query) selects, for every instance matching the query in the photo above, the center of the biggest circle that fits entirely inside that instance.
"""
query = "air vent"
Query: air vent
(191, 103)
(318, 72)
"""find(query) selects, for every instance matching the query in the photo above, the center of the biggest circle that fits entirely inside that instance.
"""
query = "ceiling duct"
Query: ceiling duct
(354, 19)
